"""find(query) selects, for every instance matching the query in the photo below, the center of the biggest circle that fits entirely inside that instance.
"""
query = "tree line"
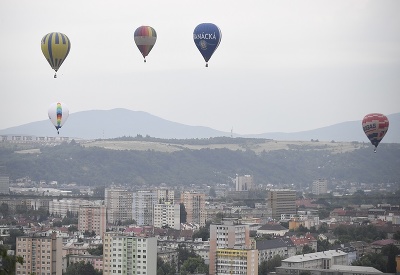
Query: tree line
(70, 162)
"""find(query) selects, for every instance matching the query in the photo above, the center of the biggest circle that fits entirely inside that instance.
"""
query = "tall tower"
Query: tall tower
(244, 183)
(4, 181)
(231, 234)
(195, 207)
(92, 218)
(320, 186)
(119, 204)
(281, 201)
(142, 207)
(42, 254)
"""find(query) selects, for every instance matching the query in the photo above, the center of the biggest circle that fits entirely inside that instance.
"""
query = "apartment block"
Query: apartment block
(129, 255)
(167, 214)
(281, 201)
(319, 187)
(165, 195)
(42, 254)
(142, 207)
(195, 207)
(244, 183)
(236, 261)
(92, 218)
(119, 205)
(230, 234)
(4, 181)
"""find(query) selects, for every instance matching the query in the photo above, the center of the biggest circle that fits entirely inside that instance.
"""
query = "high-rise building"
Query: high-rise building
(195, 207)
(119, 204)
(42, 254)
(237, 261)
(167, 214)
(4, 181)
(92, 218)
(230, 234)
(281, 201)
(142, 207)
(165, 195)
(129, 255)
(244, 183)
(320, 186)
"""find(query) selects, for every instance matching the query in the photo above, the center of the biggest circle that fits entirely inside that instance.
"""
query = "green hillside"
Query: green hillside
(150, 161)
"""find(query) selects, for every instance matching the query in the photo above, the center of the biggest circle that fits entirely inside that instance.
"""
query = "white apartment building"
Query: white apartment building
(64, 206)
(319, 187)
(165, 195)
(167, 214)
(129, 255)
(142, 207)
(244, 183)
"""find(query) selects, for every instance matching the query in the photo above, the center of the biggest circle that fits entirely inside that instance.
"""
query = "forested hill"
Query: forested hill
(73, 162)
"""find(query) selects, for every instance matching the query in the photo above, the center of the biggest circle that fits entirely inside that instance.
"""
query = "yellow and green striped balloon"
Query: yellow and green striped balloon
(55, 48)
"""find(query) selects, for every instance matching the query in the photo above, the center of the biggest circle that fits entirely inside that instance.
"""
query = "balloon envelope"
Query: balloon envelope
(58, 113)
(375, 127)
(55, 48)
(145, 37)
(207, 37)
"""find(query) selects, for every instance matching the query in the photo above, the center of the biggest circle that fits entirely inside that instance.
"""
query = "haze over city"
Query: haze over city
(281, 66)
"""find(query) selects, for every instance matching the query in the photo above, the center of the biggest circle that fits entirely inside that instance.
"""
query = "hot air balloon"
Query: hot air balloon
(375, 127)
(55, 47)
(58, 114)
(207, 37)
(145, 38)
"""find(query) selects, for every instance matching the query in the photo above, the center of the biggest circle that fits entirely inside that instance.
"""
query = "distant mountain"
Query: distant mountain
(345, 131)
(113, 123)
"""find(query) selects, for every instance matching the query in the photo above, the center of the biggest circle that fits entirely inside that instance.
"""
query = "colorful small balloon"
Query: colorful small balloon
(55, 48)
(58, 114)
(207, 37)
(375, 127)
(145, 37)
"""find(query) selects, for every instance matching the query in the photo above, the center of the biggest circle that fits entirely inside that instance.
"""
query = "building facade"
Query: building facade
(244, 183)
(281, 201)
(4, 181)
(165, 195)
(119, 205)
(92, 218)
(167, 215)
(64, 206)
(230, 234)
(129, 255)
(236, 261)
(142, 207)
(42, 254)
(195, 207)
(319, 187)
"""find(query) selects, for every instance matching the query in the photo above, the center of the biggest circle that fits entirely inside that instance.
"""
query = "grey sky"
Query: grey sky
(281, 65)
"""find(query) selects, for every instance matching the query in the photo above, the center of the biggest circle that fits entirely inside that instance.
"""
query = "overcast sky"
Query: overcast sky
(281, 66)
